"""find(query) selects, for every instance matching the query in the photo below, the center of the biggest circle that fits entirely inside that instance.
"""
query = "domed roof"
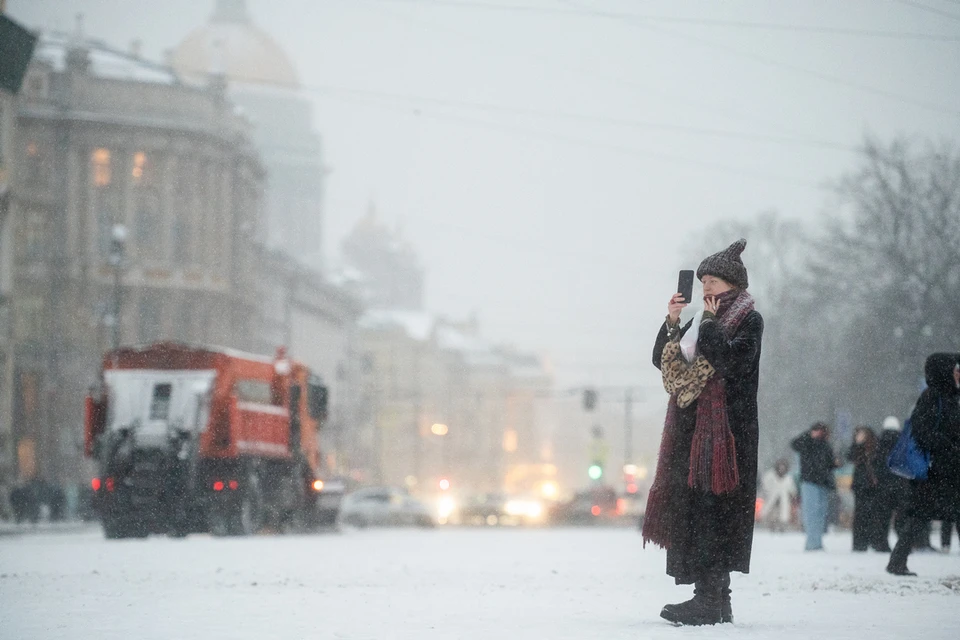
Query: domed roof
(230, 44)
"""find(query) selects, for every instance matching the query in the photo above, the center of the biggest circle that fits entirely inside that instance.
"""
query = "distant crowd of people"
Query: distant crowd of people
(881, 498)
(40, 500)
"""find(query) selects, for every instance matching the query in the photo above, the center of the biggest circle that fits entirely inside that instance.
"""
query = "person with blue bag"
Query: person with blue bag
(934, 463)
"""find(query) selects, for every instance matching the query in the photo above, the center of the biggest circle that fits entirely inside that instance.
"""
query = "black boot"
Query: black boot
(726, 606)
(704, 608)
(898, 559)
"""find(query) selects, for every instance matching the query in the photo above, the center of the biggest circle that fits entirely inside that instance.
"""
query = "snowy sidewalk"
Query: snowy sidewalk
(73, 526)
(474, 584)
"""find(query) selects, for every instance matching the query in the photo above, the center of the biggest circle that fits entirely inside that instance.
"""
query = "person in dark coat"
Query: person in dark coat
(893, 491)
(868, 529)
(817, 463)
(702, 502)
(935, 424)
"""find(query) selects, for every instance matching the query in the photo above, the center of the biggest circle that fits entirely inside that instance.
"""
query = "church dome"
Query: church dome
(230, 44)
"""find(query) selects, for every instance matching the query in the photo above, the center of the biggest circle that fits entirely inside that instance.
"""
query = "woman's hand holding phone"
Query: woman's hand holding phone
(675, 306)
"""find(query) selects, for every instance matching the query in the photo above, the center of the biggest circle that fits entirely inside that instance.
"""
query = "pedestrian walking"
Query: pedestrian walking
(935, 425)
(817, 463)
(778, 491)
(868, 528)
(702, 503)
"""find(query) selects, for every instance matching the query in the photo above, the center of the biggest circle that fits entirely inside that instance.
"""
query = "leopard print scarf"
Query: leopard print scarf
(685, 381)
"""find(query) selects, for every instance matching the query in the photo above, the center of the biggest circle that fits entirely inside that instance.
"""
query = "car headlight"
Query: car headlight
(445, 507)
(524, 508)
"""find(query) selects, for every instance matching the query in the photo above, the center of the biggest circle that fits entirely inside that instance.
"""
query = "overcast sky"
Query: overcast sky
(549, 160)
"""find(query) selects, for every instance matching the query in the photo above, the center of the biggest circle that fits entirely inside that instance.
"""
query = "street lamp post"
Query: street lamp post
(118, 242)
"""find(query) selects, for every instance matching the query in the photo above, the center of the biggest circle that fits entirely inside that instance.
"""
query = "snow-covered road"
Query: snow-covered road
(448, 583)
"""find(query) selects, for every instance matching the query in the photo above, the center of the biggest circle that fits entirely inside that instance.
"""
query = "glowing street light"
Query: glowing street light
(439, 429)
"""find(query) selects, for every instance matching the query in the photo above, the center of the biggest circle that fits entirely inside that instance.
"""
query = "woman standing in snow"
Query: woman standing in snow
(868, 528)
(701, 505)
(935, 425)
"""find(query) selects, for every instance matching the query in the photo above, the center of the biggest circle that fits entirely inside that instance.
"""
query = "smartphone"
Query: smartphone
(685, 285)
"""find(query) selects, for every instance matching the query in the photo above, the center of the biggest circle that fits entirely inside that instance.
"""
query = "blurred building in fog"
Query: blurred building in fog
(387, 273)
(263, 81)
(437, 402)
(16, 47)
(136, 193)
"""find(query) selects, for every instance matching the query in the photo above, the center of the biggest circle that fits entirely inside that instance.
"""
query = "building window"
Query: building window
(139, 165)
(102, 171)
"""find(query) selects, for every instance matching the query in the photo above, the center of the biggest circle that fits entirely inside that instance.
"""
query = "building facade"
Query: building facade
(140, 197)
(16, 48)
(264, 83)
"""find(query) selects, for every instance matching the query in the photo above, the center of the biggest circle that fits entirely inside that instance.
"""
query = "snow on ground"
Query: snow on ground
(449, 583)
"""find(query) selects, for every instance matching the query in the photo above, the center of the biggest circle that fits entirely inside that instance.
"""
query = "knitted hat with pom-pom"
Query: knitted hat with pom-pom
(726, 265)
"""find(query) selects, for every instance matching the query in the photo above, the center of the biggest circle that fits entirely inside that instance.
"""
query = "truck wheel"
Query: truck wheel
(247, 516)
(113, 529)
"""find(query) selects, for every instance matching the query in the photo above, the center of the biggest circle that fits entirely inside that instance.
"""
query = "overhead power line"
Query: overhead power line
(705, 22)
(626, 150)
(826, 77)
(928, 8)
(594, 75)
(594, 119)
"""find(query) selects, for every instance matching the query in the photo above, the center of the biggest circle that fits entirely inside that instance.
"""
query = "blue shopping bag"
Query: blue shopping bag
(906, 459)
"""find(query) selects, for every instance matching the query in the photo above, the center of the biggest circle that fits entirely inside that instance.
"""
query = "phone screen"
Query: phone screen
(685, 285)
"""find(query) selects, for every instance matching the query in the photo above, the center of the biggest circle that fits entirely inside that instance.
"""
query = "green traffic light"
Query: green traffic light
(595, 472)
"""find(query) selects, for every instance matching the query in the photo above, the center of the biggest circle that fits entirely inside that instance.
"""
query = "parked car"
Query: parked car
(596, 505)
(384, 507)
(329, 500)
(482, 509)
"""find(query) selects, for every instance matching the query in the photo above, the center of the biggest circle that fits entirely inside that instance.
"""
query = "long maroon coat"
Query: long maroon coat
(716, 532)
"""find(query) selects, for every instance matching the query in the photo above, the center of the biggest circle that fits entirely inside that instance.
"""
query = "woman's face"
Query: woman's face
(714, 286)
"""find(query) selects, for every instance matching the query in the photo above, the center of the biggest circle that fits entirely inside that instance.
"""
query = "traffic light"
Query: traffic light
(589, 399)
(595, 471)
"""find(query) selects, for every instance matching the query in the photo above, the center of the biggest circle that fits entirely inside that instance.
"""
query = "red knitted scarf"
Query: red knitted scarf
(713, 456)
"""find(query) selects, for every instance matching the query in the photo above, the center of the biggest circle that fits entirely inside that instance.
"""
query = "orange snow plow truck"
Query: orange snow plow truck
(192, 439)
